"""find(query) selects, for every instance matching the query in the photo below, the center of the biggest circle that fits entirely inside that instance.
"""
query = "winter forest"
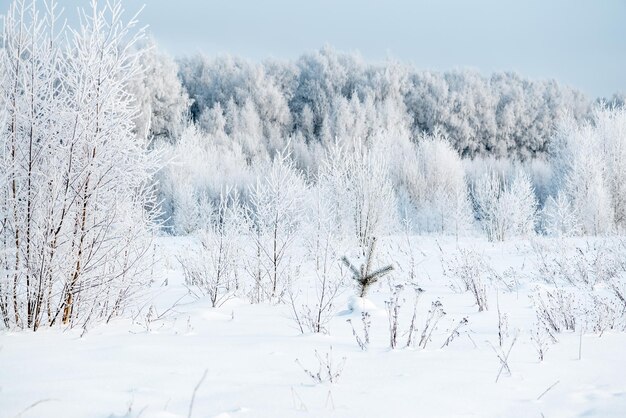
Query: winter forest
(214, 236)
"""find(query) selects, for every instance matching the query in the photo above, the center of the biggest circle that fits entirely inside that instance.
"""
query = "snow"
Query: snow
(124, 369)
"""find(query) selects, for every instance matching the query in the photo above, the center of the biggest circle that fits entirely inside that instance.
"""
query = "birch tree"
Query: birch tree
(277, 209)
(75, 178)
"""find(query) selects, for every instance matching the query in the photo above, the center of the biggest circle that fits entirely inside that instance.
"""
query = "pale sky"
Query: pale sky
(581, 43)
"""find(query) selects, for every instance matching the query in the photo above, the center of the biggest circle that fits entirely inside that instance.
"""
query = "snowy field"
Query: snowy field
(214, 236)
(254, 355)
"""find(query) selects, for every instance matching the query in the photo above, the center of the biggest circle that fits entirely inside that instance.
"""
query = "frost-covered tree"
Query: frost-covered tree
(505, 207)
(502, 116)
(487, 194)
(357, 182)
(276, 212)
(326, 95)
(196, 170)
(254, 98)
(618, 100)
(589, 160)
(163, 103)
(523, 205)
(213, 269)
(313, 306)
(610, 129)
(581, 174)
(191, 210)
(559, 218)
(441, 195)
(75, 179)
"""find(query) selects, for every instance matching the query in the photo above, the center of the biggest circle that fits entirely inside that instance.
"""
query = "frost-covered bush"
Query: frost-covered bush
(572, 309)
(505, 207)
(584, 287)
(469, 272)
(556, 310)
(596, 262)
(192, 209)
(328, 370)
(214, 268)
(312, 309)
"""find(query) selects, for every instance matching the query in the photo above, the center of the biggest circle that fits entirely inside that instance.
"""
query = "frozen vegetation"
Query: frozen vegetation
(552, 321)
(213, 237)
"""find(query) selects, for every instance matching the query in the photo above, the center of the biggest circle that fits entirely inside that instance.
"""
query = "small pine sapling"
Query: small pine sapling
(364, 276)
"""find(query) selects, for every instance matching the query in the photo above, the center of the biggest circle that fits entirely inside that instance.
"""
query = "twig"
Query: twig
(455, 332)
(547, 390)
(144, 409)
(505, 362)
(34, 405)
(330, 400)
(504, 358)
(472, 340)
(580, 344)
(193, 395)
(295, 395)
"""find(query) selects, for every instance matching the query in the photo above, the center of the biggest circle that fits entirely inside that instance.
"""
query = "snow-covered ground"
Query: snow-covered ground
(254, 356)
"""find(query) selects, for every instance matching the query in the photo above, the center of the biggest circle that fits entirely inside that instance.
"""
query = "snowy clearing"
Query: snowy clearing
(125, 369)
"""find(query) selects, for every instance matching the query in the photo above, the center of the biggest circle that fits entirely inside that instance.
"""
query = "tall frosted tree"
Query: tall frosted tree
(441, 194)
(582, 174)
(75, 180)
(276, 212)
(162, 101)
(610, 130)
(357, 182)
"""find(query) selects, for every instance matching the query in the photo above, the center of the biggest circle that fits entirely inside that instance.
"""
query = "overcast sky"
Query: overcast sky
(578, 42)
